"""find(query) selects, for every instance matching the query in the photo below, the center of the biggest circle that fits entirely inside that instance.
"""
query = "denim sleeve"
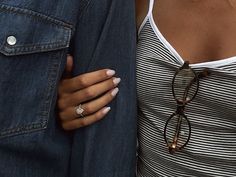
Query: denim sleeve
(105, 37)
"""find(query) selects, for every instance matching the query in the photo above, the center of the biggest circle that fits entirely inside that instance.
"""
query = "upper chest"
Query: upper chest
(199, 32)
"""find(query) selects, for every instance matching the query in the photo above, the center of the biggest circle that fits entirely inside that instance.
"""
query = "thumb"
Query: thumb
(69, 67)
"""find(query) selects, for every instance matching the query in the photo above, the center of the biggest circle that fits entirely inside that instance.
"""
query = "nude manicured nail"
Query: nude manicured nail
(106, 110)
(116, 81)
(114, 91)
(110, 72)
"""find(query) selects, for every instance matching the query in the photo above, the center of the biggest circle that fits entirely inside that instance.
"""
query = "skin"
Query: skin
(93, 90)
(199, 30)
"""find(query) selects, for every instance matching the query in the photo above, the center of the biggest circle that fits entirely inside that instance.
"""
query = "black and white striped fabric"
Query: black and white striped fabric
(212, 147)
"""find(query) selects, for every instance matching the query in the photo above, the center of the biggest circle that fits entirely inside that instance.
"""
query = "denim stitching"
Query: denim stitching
(45, 108)
(43, 47)
(52, 77)
(23, 129)
(52, 80)
(52, 73)
(30, 50)
(34, 14)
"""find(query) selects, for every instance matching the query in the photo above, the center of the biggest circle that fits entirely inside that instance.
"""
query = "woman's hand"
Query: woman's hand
(83, 100)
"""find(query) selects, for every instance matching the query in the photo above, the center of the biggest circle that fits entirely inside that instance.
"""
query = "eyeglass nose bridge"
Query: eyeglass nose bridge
(180, 108)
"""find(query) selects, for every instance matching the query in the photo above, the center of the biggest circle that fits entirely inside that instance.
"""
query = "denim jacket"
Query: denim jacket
(35, 37)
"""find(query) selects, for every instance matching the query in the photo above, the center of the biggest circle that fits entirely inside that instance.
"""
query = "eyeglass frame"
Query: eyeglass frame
(180, 108)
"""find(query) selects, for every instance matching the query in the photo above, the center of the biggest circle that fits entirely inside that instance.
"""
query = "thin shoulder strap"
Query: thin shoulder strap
(151, 4)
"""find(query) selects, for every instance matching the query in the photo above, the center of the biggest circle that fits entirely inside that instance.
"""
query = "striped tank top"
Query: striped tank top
(211, 150)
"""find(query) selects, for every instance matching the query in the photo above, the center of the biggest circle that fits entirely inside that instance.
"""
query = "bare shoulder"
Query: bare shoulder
(141, 11)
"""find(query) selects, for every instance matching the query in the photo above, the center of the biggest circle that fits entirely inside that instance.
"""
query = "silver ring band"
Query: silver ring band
(79, 111)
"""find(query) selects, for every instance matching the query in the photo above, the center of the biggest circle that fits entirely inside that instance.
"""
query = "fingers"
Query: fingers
(82, 122)
(90, 107)
(85, 80)
(94, 91)
(87, 94)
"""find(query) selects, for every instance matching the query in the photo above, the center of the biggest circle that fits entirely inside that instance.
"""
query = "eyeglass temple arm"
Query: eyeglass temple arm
(204, 73)
(173, 145)
(200, 75)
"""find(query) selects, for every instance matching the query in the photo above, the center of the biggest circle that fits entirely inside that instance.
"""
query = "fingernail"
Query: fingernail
(114, 91)
(110, 72)
(116, 81)
(106, 110)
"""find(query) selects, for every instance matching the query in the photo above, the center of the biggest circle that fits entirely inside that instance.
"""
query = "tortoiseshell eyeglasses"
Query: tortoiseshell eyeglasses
(185, 86)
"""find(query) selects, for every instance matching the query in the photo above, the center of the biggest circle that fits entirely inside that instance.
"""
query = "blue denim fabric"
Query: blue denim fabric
(100, 34)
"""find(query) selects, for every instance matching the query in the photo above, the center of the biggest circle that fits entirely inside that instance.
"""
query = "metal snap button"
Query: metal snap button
(11, 40)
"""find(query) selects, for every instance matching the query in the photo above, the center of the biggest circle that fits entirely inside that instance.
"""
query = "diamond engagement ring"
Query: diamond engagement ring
(79, 111)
